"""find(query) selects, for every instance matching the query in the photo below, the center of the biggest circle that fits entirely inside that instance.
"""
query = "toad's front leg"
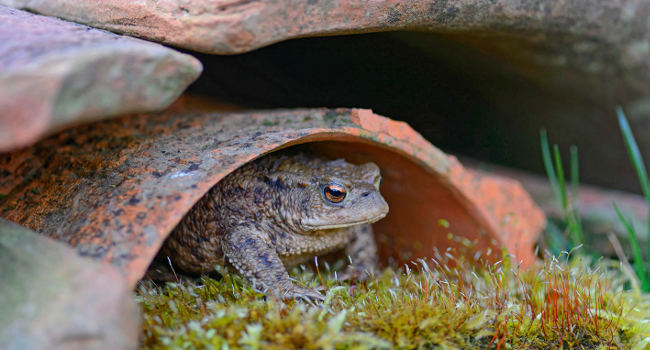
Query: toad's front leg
(252, 255)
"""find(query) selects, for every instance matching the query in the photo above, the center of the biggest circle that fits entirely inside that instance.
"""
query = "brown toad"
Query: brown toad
(282, 210)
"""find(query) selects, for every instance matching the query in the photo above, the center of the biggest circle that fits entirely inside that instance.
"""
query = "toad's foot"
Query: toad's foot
(253, 257)
(300, 293)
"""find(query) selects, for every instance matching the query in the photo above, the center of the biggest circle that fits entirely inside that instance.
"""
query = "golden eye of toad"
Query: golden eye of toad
(334, 193)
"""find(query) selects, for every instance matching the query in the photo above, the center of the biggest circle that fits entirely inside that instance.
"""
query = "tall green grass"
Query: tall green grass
(568, 198)
(641, 265)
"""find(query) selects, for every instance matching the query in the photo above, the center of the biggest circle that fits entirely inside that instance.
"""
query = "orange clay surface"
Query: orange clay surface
(116, 189)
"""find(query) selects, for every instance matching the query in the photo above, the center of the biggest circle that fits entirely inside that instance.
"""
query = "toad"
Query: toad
(279, 211)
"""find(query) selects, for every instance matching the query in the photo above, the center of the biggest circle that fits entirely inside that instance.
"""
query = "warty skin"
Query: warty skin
(282, 210)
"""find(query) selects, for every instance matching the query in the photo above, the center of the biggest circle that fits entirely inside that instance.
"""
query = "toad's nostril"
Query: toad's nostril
(365, 194)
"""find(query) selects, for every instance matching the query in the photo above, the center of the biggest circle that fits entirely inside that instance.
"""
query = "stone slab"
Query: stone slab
(54, 299)
(235, 26)
(55, 73)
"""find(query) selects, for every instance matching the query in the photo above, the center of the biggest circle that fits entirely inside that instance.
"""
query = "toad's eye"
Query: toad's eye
(334, 193)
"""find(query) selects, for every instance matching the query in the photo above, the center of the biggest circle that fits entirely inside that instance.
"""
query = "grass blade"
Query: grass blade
(639, 267)
(572, 216)
(577, 225)
(575, 171)
(560, 176)
(548, 163)
(555, 174)
(639, 167)
(633, 152)
(573, 211)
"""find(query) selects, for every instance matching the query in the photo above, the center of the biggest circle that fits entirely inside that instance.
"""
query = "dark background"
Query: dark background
(458, 93)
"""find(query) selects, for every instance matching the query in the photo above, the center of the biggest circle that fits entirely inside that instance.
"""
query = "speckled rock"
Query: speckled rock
(116, 189)
(55, 73)
(54, 299)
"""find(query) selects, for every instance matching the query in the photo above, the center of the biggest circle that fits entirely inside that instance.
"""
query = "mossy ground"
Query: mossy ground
(558, 304)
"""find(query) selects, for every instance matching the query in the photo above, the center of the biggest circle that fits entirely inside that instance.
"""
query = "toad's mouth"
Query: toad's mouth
(332, 226)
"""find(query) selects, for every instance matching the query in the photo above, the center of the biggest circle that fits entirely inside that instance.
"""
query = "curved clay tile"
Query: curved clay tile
(116, 189)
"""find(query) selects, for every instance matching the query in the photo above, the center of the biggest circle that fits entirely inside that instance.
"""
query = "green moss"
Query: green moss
(554, 305)
(268, 122)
